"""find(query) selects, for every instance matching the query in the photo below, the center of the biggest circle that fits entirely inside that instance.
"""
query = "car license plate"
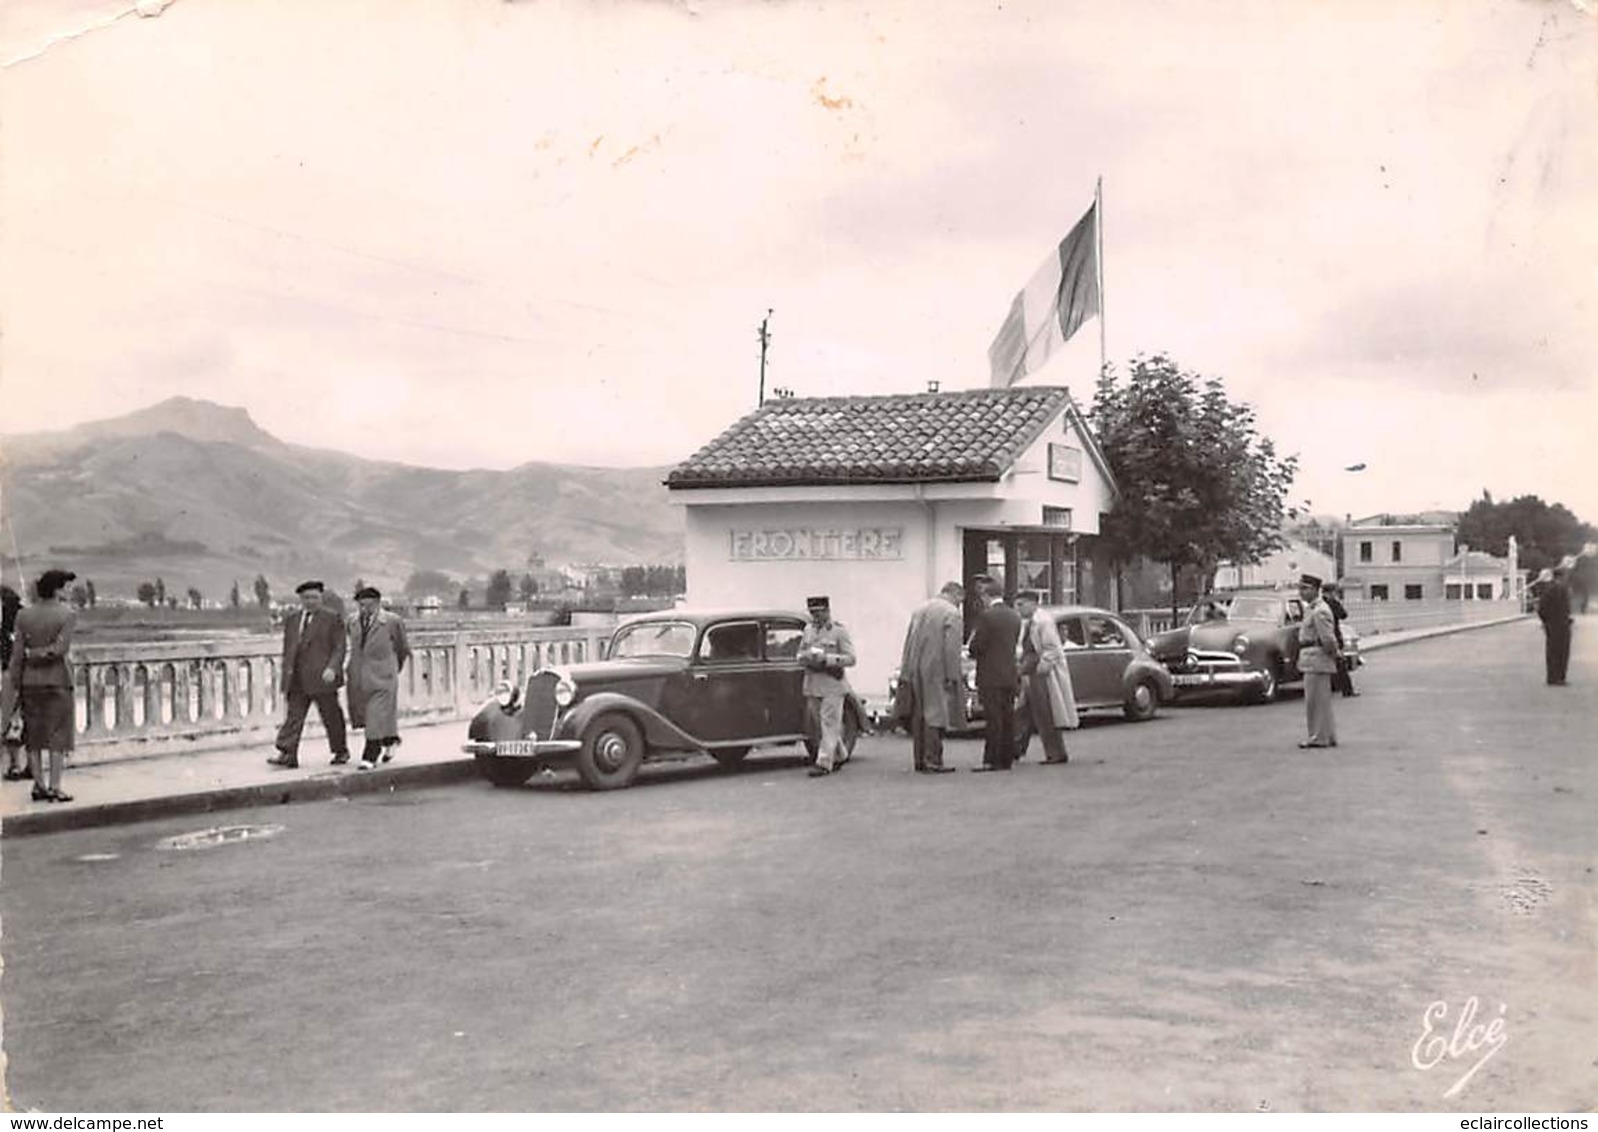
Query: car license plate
(1188, 680)
(515, 747)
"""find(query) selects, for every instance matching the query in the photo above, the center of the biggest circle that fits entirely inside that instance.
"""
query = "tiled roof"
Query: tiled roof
(965, 436)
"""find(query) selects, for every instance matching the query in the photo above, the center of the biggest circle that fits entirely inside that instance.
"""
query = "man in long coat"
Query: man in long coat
(378, 652)
(1050, 707)
(1318, 654)
(931, 665)
(992, 646)
(313, 662)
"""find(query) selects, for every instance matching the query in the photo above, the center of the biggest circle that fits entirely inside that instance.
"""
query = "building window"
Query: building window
(1398, 551)
(1378, 592)
(1412, 593)
(1451, 591)
(1364, 552)
(1485, 591)
(1057, 517)
(1065, 463)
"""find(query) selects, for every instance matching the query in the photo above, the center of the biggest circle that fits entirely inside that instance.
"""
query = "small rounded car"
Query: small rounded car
(673, 685)
(1110, 665)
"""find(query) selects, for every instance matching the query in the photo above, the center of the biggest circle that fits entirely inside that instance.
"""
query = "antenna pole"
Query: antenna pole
(765, 340)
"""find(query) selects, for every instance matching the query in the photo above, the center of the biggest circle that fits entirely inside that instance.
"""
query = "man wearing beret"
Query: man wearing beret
(825, 651)
(378, 652)
(313, 657)
(1318, 654)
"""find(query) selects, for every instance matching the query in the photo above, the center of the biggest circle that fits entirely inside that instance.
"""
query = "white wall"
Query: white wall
(873, 597)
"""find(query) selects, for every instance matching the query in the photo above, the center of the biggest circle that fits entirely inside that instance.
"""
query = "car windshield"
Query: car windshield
(654, 638)
(1255, 609)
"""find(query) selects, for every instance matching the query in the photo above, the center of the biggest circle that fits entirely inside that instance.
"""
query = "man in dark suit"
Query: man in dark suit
(992, 646)
(313, 670)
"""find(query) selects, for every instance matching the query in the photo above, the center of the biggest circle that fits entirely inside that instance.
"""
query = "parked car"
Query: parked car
(1110, 665)
(1245, 643)
(673, 685)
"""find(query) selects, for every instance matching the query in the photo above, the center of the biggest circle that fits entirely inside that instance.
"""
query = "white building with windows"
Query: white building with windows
(878, 501)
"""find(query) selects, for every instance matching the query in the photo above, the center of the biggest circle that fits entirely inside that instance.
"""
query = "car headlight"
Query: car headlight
(565, 692)
(505, 694)
(1240, 646)
(971, 680)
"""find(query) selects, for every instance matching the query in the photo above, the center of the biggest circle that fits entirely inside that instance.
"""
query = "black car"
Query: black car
(674, 685)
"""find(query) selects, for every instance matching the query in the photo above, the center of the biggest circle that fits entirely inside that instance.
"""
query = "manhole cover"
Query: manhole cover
(219, 835)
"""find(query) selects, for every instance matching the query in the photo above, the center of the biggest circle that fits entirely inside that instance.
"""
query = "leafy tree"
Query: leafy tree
(80, 596)
(529, 587)
(498, 592)
(465, 601)
(88, 586)
(426, 583)
(146, 592)
(1199, 485)
(263, 592)
(196, 599)
(1544, 532)
(234, 598)
(160, 591)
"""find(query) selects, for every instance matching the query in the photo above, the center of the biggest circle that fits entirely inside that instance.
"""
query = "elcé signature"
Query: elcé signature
(1435, 1045)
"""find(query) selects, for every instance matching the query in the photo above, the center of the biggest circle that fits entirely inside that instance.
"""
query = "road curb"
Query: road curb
(1375, 644)
(318, 787)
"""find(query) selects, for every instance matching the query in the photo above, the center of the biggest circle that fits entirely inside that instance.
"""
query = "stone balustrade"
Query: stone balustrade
(153, 698)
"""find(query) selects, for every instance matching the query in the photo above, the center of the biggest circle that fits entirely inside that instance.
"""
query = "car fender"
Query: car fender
(658, 730)
(1136, 673)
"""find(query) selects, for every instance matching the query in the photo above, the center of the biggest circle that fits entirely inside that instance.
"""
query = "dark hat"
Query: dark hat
(1309, 580)
(305, 586)
(367, 591)
(820, 602)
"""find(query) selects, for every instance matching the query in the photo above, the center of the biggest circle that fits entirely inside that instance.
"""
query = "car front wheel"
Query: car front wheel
(612, 752)
(1142, 702)
(1272, 687)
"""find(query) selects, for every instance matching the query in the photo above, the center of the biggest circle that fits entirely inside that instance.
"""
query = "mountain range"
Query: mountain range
(199, 495)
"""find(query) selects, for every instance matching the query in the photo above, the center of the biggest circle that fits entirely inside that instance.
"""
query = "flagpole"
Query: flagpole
(1098, 232)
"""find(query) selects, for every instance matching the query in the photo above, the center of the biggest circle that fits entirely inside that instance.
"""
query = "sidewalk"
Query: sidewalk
(132, 790)
(129, 790)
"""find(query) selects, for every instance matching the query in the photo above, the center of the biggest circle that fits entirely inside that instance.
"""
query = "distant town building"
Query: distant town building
(1392, 558)
(1278, 569)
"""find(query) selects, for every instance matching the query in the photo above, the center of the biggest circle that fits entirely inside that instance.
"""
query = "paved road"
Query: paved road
(1193, 914)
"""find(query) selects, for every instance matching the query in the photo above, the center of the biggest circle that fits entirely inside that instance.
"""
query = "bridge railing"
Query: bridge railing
(150, 698)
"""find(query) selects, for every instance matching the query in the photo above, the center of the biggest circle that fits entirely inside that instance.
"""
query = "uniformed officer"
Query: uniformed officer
(825, 651)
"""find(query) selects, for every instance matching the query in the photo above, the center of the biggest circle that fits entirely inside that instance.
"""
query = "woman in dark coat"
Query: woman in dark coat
(42, 676)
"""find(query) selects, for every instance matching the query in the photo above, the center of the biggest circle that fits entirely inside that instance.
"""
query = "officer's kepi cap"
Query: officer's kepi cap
(304, 587)
(821, 602)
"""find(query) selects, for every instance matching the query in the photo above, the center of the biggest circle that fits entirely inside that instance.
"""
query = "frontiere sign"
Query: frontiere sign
(836, 544)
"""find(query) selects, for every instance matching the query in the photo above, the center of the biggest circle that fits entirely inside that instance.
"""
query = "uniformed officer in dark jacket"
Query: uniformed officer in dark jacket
(1553, 610)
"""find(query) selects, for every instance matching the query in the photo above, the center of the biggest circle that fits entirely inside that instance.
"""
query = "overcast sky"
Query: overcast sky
(476, 233)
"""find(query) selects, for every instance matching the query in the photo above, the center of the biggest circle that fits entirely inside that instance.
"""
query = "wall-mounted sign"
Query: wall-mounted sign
(1065, 463)
(784, 544)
